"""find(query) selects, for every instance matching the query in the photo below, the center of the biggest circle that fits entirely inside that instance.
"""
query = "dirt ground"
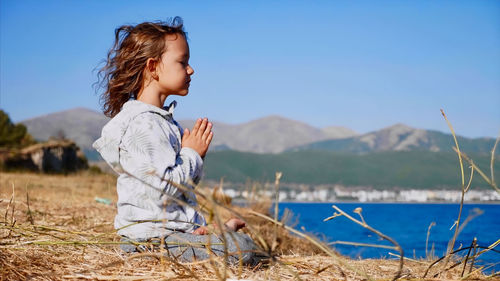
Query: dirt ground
(55, 227)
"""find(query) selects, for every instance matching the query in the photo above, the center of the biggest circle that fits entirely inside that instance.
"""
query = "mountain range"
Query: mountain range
(272, 134)
(400, 137)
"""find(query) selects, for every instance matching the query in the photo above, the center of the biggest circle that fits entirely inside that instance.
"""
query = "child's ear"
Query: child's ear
(151, 67)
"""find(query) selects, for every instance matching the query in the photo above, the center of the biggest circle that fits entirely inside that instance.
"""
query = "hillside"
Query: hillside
(272, 134)
(401, 138)
(389, 169)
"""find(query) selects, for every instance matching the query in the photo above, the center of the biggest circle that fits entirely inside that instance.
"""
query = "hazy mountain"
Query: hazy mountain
(337, 132)
(270, 134)
(400, 137)
(80, 124)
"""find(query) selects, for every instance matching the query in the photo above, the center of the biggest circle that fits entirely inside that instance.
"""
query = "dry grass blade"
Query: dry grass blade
(466, 188)
(427, 240)
(105, 277)
(276, 209)
(472, 214)
(30, 215)
(408, 259)
(380, 234)
(492, 161)
(481, 173)
(456, 146)
(489, 248)
(473, 245)
(470, 179)
(362, 245)
(482, 268)
(454, 252)
(451, 245)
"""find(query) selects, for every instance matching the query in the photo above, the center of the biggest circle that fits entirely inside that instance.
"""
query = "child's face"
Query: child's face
(174, 71)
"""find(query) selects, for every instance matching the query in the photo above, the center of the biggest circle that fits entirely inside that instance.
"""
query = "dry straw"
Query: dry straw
(61, 233)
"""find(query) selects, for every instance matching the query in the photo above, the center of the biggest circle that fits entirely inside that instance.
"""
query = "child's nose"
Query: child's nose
(190, 70)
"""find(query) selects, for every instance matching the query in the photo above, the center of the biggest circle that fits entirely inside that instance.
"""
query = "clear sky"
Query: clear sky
(364, 65)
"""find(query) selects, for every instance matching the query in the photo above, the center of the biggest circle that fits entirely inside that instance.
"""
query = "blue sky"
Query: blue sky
(363, 65)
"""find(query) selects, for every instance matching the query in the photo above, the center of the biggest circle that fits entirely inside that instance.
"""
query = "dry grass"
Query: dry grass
(53, 229)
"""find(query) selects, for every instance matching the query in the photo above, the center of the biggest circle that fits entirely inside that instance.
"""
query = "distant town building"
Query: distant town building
(325, 193)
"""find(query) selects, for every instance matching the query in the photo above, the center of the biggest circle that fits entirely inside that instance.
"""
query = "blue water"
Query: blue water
(406, 223)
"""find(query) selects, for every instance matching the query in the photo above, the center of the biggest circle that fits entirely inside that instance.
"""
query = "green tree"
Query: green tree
(13, 135)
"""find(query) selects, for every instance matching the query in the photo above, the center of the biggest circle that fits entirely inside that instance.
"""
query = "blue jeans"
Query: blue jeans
(189, 247)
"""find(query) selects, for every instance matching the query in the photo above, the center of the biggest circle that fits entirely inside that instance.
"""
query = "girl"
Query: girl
(148, 149)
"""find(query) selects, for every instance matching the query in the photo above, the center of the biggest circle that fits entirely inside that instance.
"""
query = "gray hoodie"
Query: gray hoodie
(142, 143)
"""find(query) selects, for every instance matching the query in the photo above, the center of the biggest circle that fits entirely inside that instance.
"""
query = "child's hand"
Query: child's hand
(199, 138)
(202, 230)
(235, 224)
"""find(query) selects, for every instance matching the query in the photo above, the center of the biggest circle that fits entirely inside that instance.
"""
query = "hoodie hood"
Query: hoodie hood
(108, 145)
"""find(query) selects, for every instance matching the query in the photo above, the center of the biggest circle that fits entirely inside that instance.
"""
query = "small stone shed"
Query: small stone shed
(53, 156)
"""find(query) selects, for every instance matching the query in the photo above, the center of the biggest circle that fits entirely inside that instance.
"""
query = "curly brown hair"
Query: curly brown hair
(123, 73)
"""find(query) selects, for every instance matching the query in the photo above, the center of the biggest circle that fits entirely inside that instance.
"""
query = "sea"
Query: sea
(407, 223)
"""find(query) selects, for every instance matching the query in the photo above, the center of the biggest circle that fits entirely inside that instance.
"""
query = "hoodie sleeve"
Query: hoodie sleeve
(147, 152)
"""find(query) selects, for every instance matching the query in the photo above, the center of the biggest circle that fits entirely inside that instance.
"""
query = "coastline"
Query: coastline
(395, 202)
(242, 202)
